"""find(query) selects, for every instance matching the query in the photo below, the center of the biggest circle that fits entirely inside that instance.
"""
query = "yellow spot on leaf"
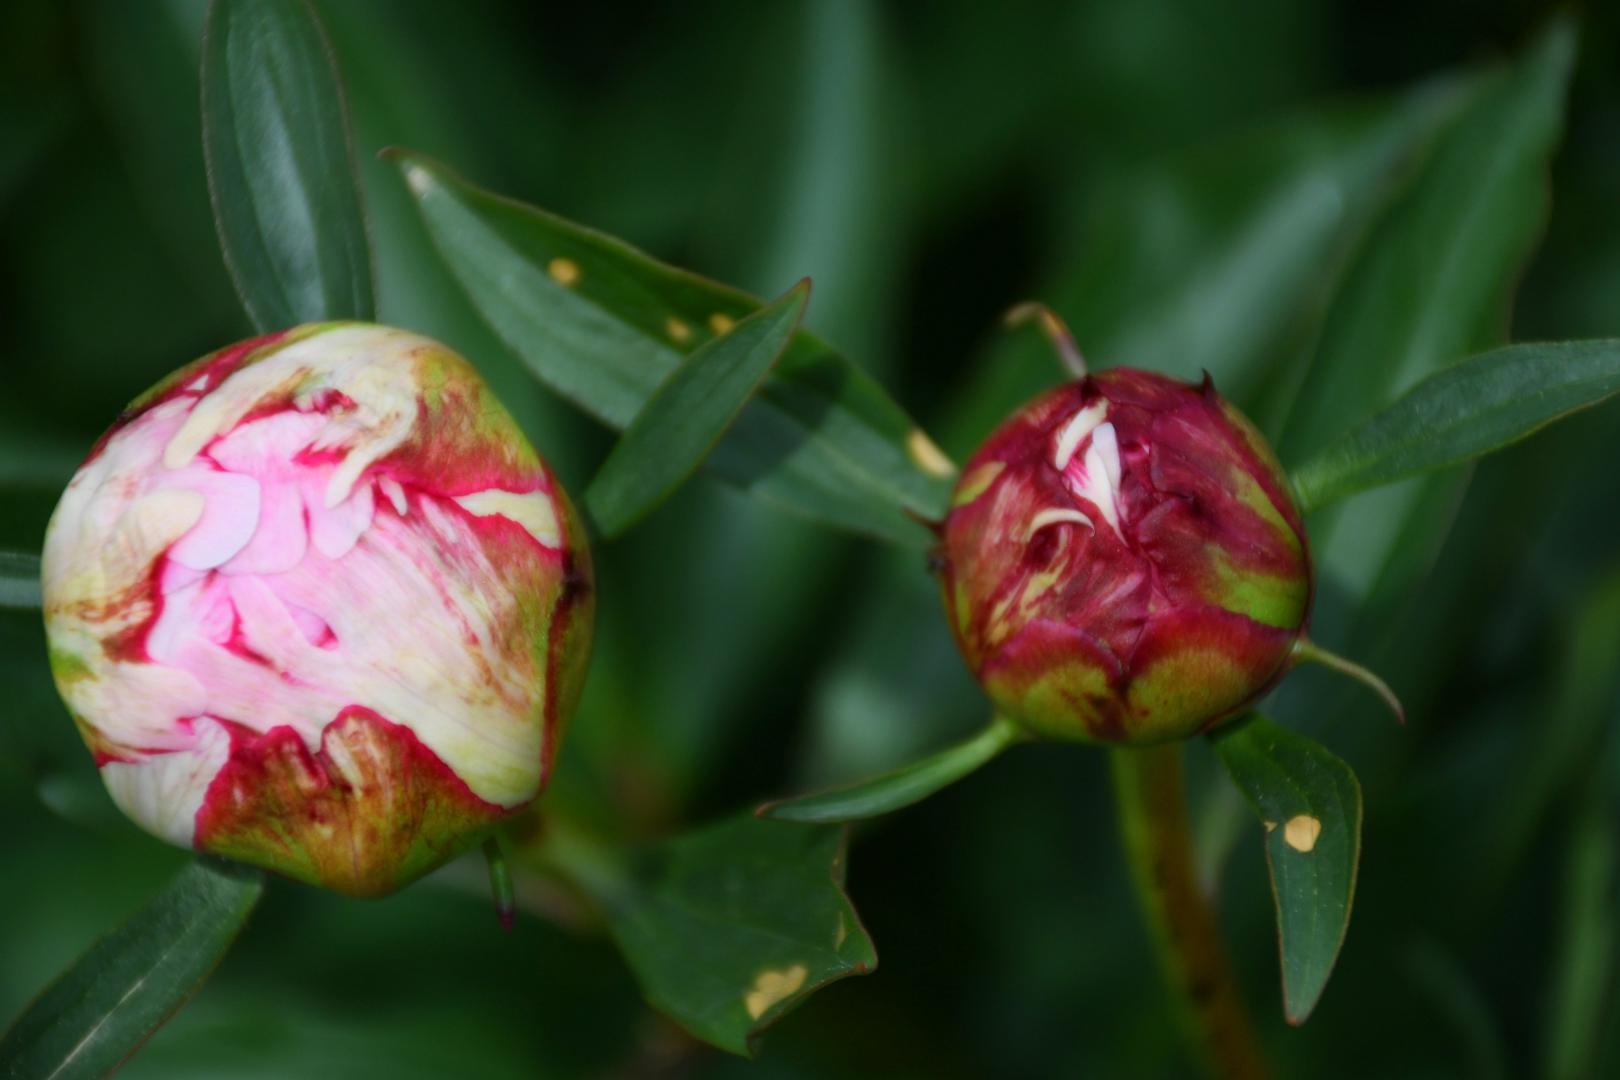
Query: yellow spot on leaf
(418, 179)
(770, 987)
(720, 322)
(1270, 825)
(564, 272)
(677, 330)
(841, 933)
(1301, 832)
(929, 458)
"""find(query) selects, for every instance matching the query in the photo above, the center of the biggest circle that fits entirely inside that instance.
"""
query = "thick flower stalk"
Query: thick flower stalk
(316, 604)
(1123, 562)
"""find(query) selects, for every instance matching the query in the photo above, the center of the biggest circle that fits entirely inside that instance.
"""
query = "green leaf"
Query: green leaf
(1482, 404)
(19, 580)
(123, 989)
(1310, 804)
(688, 414)
(1432, 284)
(280, 170)
(729, 927)
(604, 325)
(901, 788)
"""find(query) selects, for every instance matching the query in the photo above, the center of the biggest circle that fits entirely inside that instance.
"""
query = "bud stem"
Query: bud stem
(1308, 651)
(1056, 331)
(500, 881)
(1151, 796)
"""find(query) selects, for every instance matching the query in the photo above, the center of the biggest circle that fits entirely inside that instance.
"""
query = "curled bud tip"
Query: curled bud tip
(1308, 651)
(1056, 331)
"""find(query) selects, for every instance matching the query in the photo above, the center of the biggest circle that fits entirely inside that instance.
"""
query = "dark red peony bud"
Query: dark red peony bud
(1123, 561)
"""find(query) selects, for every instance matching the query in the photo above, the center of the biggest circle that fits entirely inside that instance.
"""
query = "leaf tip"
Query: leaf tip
(1309, 651)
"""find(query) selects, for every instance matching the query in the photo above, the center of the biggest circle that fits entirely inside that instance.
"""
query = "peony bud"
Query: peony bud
(316, 604)
(1123, 562)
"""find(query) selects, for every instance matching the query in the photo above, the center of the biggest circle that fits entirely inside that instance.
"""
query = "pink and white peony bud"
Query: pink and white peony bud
(316, 604)
(1123, 561)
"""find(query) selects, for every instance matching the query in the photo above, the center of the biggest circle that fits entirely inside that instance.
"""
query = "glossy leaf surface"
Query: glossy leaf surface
(1310, 804)
(1468, 410)
(688, 414)
(603, 324)
(123, 989)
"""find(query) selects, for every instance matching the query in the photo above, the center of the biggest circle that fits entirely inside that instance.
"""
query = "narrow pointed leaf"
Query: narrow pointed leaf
(280, 171)
(900, 788)
(1310, 804)
(604, 325)
(689, 412)
(131, 981)
(730, 927)
(1432, 283)
(19, 580)
(1482, 404)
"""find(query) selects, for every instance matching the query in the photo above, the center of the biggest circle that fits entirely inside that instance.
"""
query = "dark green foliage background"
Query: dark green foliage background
(929, 165)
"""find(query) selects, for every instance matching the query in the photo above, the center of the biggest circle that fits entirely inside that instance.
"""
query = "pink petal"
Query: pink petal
(265, 623)
(196, 613)
(268, 444)
(314, 628)
(339, 528)
(279, 543)
(230, 515)
(177, 576)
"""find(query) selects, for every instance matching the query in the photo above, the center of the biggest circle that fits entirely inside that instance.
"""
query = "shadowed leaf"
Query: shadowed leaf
(131, 981)
(280, 172)
(730, 927)
(1310, 804)
(19, 580)
(901, 788)
(1432, 285)
(688, 414)
(604, 325)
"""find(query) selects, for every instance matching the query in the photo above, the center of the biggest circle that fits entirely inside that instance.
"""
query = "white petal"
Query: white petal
(533, 510)
(396, 494)
(1075, 431)
(164, 791)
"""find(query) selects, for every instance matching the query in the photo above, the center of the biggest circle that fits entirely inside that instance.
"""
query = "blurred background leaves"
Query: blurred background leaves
(1241, 188)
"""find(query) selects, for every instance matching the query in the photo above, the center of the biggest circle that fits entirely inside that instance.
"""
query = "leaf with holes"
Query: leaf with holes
(1310, 804)
(131, 981)
(730, 927)
(280, 172)
(604, 325)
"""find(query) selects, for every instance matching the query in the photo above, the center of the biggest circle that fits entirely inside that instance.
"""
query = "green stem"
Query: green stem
(500, 882)
(1152, 803)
